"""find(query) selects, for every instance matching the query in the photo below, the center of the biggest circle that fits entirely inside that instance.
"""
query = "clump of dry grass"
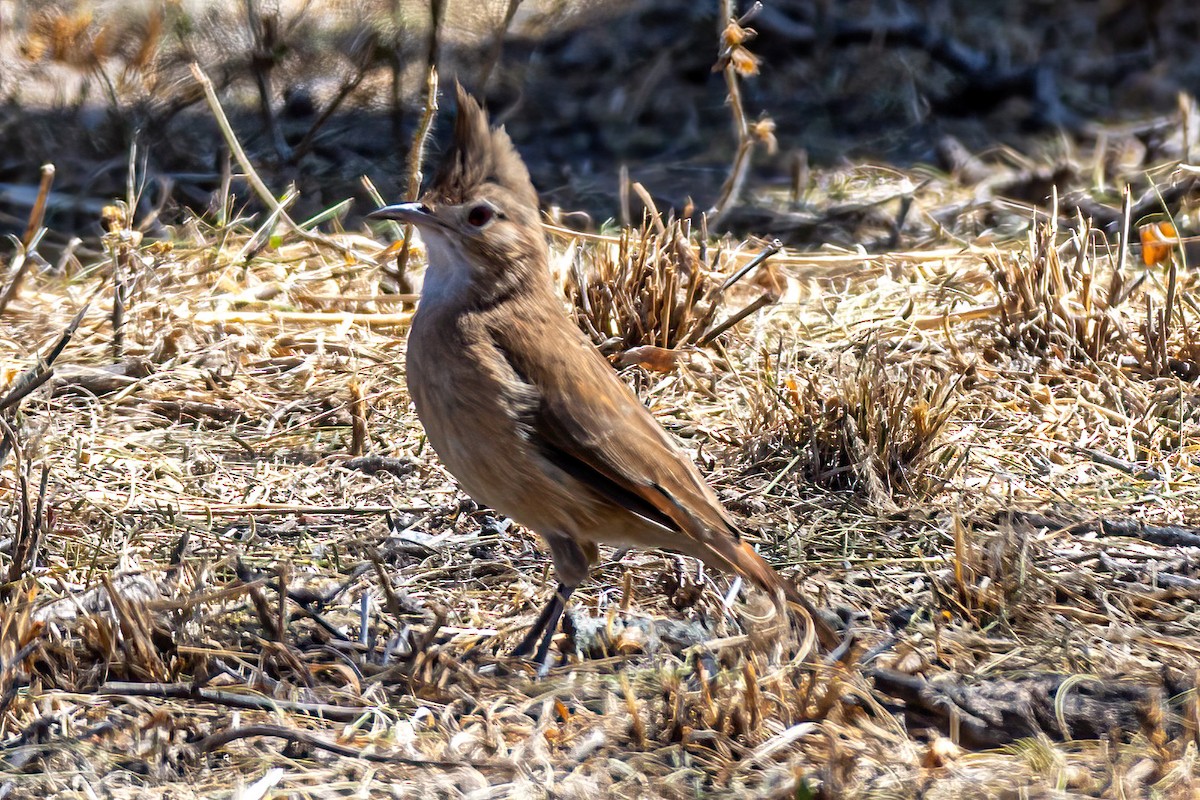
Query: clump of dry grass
(1122, 327)
(1062, 299)
(647, 288)
(859, 423)
(650, 292)
(20, 638)
(998, 576)
(1080, 299)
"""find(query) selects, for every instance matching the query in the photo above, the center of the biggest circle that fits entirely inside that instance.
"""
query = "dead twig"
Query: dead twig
(32, 378)
(734, 61)
(188, 691)
(30, 240)
(20, 265)
(416, 157)
(493, 56)
(347, 88)
(307, 738)
(38, 214)
(264, 31)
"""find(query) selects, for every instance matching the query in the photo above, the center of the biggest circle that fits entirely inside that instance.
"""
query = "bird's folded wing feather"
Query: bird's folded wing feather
(591, 424)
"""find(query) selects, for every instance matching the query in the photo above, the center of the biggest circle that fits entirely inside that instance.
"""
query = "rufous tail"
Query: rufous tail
(753, 567)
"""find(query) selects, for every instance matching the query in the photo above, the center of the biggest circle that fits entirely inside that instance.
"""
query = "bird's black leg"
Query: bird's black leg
(559, 605)
(543, 629)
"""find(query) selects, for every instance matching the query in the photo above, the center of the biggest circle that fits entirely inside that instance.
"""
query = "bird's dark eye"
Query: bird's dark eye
(480, 215)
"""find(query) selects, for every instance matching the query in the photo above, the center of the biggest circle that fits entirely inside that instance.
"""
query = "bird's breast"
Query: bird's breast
(471, 405)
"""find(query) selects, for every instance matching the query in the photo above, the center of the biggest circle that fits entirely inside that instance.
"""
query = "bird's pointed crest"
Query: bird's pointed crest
(480, 154)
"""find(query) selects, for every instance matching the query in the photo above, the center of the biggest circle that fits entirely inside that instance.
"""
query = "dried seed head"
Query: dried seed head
(744, 62)
(764, 131)
(735, 34)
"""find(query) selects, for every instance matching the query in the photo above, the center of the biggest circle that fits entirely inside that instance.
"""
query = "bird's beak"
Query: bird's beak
(415, 213)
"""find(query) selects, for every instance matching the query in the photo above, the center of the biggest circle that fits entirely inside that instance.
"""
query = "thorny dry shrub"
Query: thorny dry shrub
(869, 423)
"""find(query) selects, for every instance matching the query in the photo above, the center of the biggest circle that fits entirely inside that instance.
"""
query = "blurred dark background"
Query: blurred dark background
(1084, 93)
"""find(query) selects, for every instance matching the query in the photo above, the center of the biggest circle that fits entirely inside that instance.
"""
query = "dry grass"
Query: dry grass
(211, 572)
(648, 288)
(870, 421)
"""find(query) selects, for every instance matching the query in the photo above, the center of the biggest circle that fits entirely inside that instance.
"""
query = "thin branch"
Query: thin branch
(437, 13)
(32, 378)
(731, 190)
(38, 214)
(416, 158)
(188, 691)
(347, 89)
(20, 264)
(262, 61)
(497, 48)
(256, 183)
(763, 301)
(771, 249)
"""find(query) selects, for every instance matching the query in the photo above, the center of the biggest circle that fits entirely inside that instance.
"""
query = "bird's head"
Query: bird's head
(479, 218)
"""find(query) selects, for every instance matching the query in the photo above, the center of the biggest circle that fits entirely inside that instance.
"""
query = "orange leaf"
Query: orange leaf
(1157, 240)
(393, 249)
(794, 392)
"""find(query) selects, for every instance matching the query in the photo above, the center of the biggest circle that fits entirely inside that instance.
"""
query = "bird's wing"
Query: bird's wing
(590, 424)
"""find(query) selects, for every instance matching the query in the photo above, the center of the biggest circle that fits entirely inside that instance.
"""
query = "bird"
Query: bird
(521, 407)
